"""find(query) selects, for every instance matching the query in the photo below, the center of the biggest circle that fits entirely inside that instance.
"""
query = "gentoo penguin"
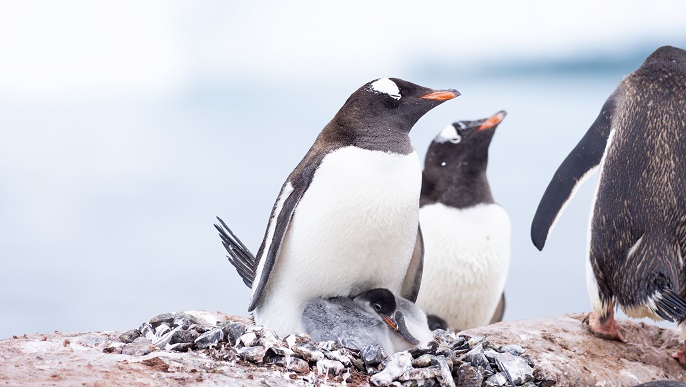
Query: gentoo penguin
(637, 233)
(466, 234)
(373, 317)
(346, 219)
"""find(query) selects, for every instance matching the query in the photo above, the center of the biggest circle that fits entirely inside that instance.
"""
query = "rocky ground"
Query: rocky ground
(213, 349)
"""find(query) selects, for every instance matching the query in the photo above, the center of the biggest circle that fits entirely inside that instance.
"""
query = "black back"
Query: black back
(638, 237)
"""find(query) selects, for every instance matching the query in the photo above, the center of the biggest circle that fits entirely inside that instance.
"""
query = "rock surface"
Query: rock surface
(564, 351)
(560, 350)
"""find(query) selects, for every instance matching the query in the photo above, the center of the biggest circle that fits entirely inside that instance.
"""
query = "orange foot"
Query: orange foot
(604, 328)
(681, 355)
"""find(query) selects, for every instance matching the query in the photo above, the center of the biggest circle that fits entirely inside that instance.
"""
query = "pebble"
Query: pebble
(209, 339)
(497, 380)
(372, 355)
(139, 347)
(182, 336)
(422, 361)
(476, 357)
(448, 360)
(445, 376)
(513, 349)
(130, 336)
(519, 370)
(468, 375)
(309, 352)
(393, 367)
(249, 339)
(253, 354)
(298, 365)
(232, 331)
(330, 367)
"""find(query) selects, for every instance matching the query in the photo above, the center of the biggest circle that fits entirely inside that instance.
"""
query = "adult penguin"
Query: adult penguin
(346, 219)
(466, 233)
(637, 240)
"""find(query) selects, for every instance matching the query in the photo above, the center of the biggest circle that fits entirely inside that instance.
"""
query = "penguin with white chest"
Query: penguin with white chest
(346, 219)
(637, 230)
(466, 234)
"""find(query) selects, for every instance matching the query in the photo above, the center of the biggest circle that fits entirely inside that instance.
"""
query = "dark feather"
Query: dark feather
(240, 257)
(670, 306)
(587, 155)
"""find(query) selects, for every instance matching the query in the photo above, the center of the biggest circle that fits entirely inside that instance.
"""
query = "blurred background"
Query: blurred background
(126, 127)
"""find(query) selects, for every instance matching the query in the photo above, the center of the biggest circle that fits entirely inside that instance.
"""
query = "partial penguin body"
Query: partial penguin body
(637, 231)
(346, 219)
(375, 317)
(466, 234)
(332, 248)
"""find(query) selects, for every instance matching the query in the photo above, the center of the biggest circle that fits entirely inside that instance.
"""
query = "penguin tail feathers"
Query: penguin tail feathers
(240, 257)
(669, 306)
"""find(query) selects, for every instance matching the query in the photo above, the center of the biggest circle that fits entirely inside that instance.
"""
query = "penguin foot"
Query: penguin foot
(604, 328)
(680, 355)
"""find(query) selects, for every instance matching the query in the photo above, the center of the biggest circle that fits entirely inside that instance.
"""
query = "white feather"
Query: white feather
(467, 256)
(449, 133)
(386, 86)
(285, 193)
(353, 230)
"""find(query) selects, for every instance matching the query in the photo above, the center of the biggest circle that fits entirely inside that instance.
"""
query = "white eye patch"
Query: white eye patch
(449, 133)
(386, 86)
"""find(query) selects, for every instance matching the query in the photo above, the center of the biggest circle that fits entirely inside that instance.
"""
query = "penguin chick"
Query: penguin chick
(374, 317)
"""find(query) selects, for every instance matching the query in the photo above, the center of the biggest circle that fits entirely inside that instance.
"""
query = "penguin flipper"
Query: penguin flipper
(282, 219)
(575, 168)
(499, 311)
(413, 277)
(240, 257)
(291, 192)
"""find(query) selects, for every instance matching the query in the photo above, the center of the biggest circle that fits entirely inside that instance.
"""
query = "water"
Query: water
(106, 206)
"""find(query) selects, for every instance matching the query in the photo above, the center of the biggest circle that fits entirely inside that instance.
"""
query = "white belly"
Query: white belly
(353, 230)
(467, 255)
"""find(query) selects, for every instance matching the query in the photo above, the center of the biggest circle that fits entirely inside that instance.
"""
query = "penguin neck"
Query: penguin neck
(462, 185)
(371, 134)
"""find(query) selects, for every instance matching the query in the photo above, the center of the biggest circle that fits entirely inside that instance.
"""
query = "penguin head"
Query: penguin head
(667, 55)
(383, 303)
(666, 66)
(390, 104)
(379, 301)
(463, 143)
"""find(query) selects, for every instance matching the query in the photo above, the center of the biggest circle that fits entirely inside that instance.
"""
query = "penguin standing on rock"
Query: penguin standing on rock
(466, 234)
(346, 219)
(637, 241)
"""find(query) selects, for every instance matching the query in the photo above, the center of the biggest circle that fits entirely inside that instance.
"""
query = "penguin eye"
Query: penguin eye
(455, 140)
(377, 307)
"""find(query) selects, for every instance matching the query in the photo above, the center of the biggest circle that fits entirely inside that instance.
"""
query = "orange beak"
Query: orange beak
(492, 121)
(441, 95)
(390, 322)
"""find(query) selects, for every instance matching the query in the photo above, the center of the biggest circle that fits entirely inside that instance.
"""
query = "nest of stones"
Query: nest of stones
(450, 359)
